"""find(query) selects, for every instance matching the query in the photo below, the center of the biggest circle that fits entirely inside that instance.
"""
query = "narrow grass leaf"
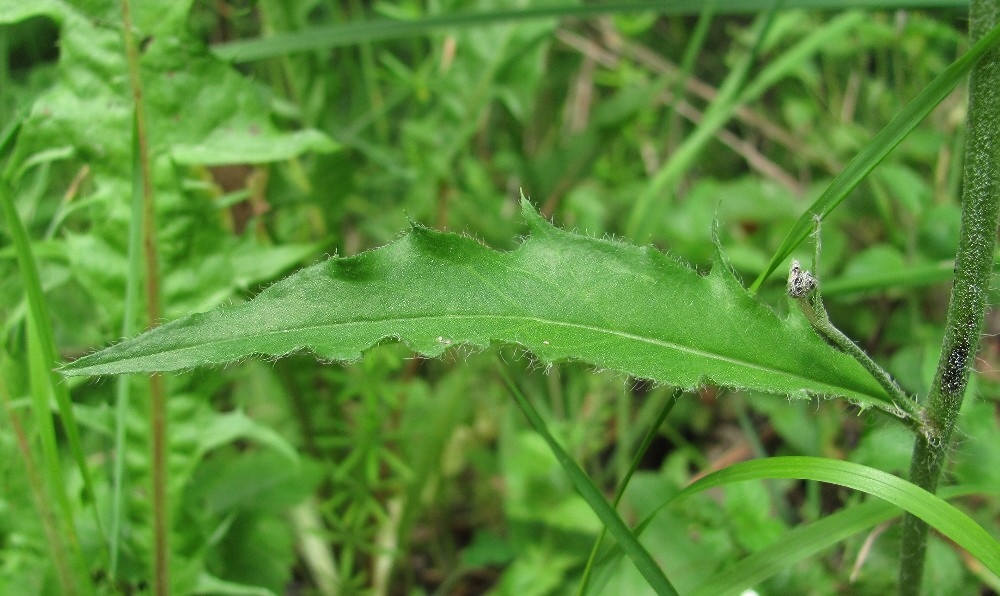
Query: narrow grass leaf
(875, 151)
(42, 349)
(805, 541)
(794, 546)
(641, 219)
(732, 94)
(592, 495)
(691, 52)
(560, 295)
(911, 276)
(937, 512)
(123, 387)
(370, 30)
(651, 433)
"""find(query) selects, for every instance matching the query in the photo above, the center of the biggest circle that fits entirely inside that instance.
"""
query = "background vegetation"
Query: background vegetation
(395, 474)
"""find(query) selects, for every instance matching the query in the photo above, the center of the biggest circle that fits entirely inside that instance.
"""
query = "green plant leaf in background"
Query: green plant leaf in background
(368, 30)
(560, 295)
(934, 510)
(805, 541)
(91, 110)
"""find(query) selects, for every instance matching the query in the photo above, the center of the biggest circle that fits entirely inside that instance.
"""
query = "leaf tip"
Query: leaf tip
(535, 220)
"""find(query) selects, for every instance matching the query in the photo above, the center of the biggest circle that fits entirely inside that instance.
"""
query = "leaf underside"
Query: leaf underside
(560, 295)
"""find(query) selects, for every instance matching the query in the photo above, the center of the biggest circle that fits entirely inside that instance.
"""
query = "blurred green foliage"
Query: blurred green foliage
(398, 474)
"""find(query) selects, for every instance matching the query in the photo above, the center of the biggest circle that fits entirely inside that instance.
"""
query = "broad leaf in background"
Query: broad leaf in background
(201, 112)
(560, 295)
(91, 107)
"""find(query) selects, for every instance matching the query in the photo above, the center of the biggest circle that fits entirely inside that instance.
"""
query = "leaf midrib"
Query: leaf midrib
(555, 323)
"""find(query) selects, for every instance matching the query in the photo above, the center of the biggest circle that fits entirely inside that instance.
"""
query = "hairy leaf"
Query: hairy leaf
(560, 295)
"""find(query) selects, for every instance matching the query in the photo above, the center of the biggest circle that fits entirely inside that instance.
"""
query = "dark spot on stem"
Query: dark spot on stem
(953, 377)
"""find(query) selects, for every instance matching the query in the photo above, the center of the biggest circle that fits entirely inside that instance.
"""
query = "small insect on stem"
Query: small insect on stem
(800, 281)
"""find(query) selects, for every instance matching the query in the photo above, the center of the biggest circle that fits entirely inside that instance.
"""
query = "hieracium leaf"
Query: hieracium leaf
(560, 295)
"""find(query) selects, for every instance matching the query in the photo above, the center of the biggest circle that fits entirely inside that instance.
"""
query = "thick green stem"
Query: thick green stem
(973, 265)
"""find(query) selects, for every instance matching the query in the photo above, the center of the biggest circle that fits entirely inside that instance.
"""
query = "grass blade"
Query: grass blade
(640, 218)
(123, 387)
(609, 517)
(938, 513)
(45, 380)
(875, 151)
(365, 31)
(732, 94)
(647, 440)
(805, 541)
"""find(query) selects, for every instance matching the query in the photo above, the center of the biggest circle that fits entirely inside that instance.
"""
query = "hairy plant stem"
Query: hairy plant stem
(158, 415)
(803, 286)
(973, 265)
(814, 310)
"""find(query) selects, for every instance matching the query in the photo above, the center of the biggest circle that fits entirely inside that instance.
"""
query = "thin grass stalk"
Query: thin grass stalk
(123, 387)
(628, 541)
(42, 409)
(53, 535)
(370, 76)
(730, 96)
(323, 38)
(41, 362)
(647, 440)
(858, 168)
(46, 382)
(691, 52)
(158, 453)
(973, 266)
(158, 414)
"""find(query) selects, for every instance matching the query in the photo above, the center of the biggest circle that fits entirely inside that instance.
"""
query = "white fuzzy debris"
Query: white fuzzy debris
(800, 281)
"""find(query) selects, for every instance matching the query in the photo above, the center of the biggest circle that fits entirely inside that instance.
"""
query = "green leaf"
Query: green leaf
(805, 541)
(42, 355)
(938, 513)
(605, 511)
(90, 109)
(209, 584)
(732, 95)
(361, 31)
(560, 295)
(222, 429)
(795, 546)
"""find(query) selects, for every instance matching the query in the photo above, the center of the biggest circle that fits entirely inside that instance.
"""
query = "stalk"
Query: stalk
(57, 541)
(973, 265)
(803, 287)
(158, 409)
